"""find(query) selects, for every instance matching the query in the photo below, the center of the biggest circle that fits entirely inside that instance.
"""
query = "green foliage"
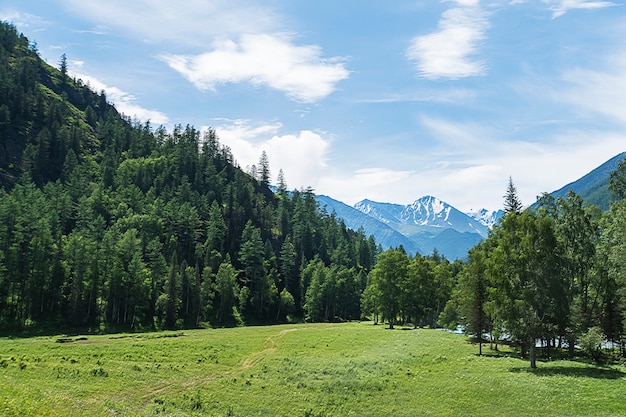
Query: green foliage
(110, 224)
(591, 342)
(512, 203)
(413, 290)
(617, 184)
(551, 273)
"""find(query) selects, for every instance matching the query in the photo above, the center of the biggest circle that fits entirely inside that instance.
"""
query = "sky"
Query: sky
(359, 99)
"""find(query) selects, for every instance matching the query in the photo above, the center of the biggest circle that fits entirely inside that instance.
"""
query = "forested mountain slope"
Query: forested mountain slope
(107, 223)
(594, 186)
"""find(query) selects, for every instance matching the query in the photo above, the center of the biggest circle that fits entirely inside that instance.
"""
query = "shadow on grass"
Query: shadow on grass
(491, 353)
(578, 372)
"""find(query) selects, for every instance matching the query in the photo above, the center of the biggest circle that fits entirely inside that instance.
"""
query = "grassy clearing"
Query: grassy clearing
(297, 370)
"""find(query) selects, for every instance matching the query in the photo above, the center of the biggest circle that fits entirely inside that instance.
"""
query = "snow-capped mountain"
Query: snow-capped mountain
(385, 235)
(421, 227)
(486, 217)
(427, 212)
(430, 223)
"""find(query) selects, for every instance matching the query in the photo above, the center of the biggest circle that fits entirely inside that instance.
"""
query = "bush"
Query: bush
(591, 343)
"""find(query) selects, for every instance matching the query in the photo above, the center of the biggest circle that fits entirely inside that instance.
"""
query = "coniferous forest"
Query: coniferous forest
(108, 223)
(111, 224)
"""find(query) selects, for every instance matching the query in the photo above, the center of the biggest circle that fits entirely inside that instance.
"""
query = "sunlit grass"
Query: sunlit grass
(298, 370)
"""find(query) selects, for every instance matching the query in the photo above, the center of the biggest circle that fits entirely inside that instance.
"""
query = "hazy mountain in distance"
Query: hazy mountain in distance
(421, 227)
(385, 235)
(426, 213)
(429, 223)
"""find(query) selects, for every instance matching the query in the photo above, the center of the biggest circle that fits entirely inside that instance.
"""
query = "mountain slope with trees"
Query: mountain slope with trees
(594, 186)
(107, 223)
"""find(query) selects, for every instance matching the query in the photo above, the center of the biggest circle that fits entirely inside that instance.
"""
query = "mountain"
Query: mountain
(430, 223)
(486, 217)
(354, 219)
(426, 213)
(421, 227)
(594, 187)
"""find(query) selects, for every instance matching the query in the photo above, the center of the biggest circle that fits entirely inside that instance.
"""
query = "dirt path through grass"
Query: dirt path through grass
(259, 356)
(174, 387)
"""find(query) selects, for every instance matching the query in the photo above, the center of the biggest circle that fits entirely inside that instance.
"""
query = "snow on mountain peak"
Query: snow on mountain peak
(486, 217)
(425, 212)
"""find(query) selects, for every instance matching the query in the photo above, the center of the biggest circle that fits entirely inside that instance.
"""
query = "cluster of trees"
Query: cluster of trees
(409, 289)
(554, 273)
(108, 223)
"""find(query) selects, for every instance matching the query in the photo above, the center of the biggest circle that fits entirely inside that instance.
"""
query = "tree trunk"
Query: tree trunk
(533, 354)
(571, 342)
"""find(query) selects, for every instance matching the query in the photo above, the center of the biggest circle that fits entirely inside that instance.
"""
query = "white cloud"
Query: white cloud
(192, 22)
(258, 54)
(301, 156)
(376, 183)
(124, 102)
(451, 96)
(449, 52)
(474, 160)
(263, 60)
(560, 7)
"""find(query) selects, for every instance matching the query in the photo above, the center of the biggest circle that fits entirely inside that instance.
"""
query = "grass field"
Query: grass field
(354, 369)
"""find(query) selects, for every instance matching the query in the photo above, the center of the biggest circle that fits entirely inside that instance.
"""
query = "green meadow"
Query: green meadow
(353, 369)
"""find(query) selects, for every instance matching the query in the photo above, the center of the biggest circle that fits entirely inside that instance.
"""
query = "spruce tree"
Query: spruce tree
(264, 169)
(512, 203)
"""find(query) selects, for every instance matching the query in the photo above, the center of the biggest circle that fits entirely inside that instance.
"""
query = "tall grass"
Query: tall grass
(297, 370)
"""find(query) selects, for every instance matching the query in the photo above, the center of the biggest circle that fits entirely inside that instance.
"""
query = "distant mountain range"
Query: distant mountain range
(421, 227)
(429, 223)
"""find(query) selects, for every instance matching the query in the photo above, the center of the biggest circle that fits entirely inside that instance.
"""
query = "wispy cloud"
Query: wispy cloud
(263, 60)
(247, 44)
(560, 7)
(452, 96)
(124, 102)
(598, 92)
(21, 20)
(193, 22)
(450, 52)
(478, 158)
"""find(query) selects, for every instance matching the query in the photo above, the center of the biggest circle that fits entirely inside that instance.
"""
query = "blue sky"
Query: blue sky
(385, 100)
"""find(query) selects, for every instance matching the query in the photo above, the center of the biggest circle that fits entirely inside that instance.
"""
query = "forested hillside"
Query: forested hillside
(593, 188)
(107, 223)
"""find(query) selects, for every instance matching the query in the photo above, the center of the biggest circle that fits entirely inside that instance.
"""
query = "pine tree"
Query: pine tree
(512, 203)
(264, 169)
(282, 184)
(171, 306)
